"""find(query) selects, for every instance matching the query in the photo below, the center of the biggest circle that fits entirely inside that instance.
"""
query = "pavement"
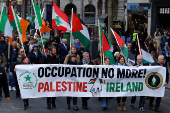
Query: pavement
(38, 105)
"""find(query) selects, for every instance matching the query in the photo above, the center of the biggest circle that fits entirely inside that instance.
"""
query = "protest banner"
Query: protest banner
(53, 80)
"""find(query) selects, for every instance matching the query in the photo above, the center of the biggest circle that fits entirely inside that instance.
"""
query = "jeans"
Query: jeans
(104, 101)
(158, 101)
(11, 78)
(142, 101)
(74, 101)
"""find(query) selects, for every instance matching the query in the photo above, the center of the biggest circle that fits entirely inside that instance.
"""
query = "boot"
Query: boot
(124, 107)
(157, 109)
(119, 107)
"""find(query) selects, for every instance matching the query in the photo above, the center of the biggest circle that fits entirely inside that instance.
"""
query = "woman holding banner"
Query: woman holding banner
(25, 60)
(121, 62)
(72, 61)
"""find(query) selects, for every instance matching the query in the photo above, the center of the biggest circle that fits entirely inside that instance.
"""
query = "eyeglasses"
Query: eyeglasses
(22, 51)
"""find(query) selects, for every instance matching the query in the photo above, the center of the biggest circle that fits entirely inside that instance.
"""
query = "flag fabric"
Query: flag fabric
(92, 81)
(44, 28)
(11, 20)
(121, 44)
(59, 19)
(102, 81)
(79, 30)
(107, 53)
(131, 58)
(38, 14)
(145, 54)
(22, 25)
(5, 25)
(105, 43)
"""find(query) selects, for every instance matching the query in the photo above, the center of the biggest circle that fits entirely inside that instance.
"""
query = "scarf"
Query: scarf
(85, 61)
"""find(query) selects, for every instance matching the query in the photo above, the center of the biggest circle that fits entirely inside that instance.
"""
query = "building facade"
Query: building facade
(137, 16)
(160, 15)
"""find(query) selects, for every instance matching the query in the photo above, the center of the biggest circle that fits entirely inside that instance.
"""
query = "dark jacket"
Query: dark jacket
(48, 59)
(167, 73)
(48, 43)
(11, 52)
(4, 48)
(26, 47)
(147, 64)
(3, 59)
(57, 40)
(71, 63)
(33, 59)
(62, 51)
(3, 82)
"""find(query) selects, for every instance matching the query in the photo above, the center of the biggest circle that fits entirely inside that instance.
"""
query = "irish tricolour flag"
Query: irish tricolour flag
(121, 44)
(38, 14)
(5, 25)
(59, 19)
(22, 25)
(80, 31)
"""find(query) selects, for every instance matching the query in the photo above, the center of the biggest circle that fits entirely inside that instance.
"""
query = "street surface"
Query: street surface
(38, 105)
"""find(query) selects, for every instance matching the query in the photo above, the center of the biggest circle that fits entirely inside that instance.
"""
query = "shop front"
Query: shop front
(137, 17)
(160, 15)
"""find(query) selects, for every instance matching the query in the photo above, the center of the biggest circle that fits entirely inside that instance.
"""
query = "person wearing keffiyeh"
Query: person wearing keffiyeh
(85, 61)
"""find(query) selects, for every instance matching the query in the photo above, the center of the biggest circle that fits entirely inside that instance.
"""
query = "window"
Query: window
(89, 14)
(68, 9)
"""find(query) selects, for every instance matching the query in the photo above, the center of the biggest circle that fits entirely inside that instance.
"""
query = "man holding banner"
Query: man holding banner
(51, 59)
(142, 98)
(85, 61)
(158, 99)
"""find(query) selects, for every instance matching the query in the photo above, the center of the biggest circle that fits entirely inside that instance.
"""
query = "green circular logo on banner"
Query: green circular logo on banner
(27, 80)
(154, 80)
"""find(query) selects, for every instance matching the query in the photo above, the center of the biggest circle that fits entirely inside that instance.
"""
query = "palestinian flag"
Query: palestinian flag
(121, 44)
(106, 53)
(59, 19)
(22, 25)
(145, 54)
(11, 20)
(38, 14)
(5, 25)
(92, 81)
(79, 30)
(102, 81)
(105, 43)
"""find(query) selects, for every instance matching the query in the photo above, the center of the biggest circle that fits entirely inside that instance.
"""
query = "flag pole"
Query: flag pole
(18, 29)
(8, 48)
(71, 28)
(120, 48)
(139, 47)
(100, 42)
(39, 28)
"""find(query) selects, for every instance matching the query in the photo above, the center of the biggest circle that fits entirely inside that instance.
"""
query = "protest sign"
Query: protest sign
(44, 80)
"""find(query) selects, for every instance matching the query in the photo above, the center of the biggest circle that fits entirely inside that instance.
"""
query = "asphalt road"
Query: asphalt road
(39, 105)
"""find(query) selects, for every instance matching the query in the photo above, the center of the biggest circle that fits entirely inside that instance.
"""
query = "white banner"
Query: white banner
(90, 80)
